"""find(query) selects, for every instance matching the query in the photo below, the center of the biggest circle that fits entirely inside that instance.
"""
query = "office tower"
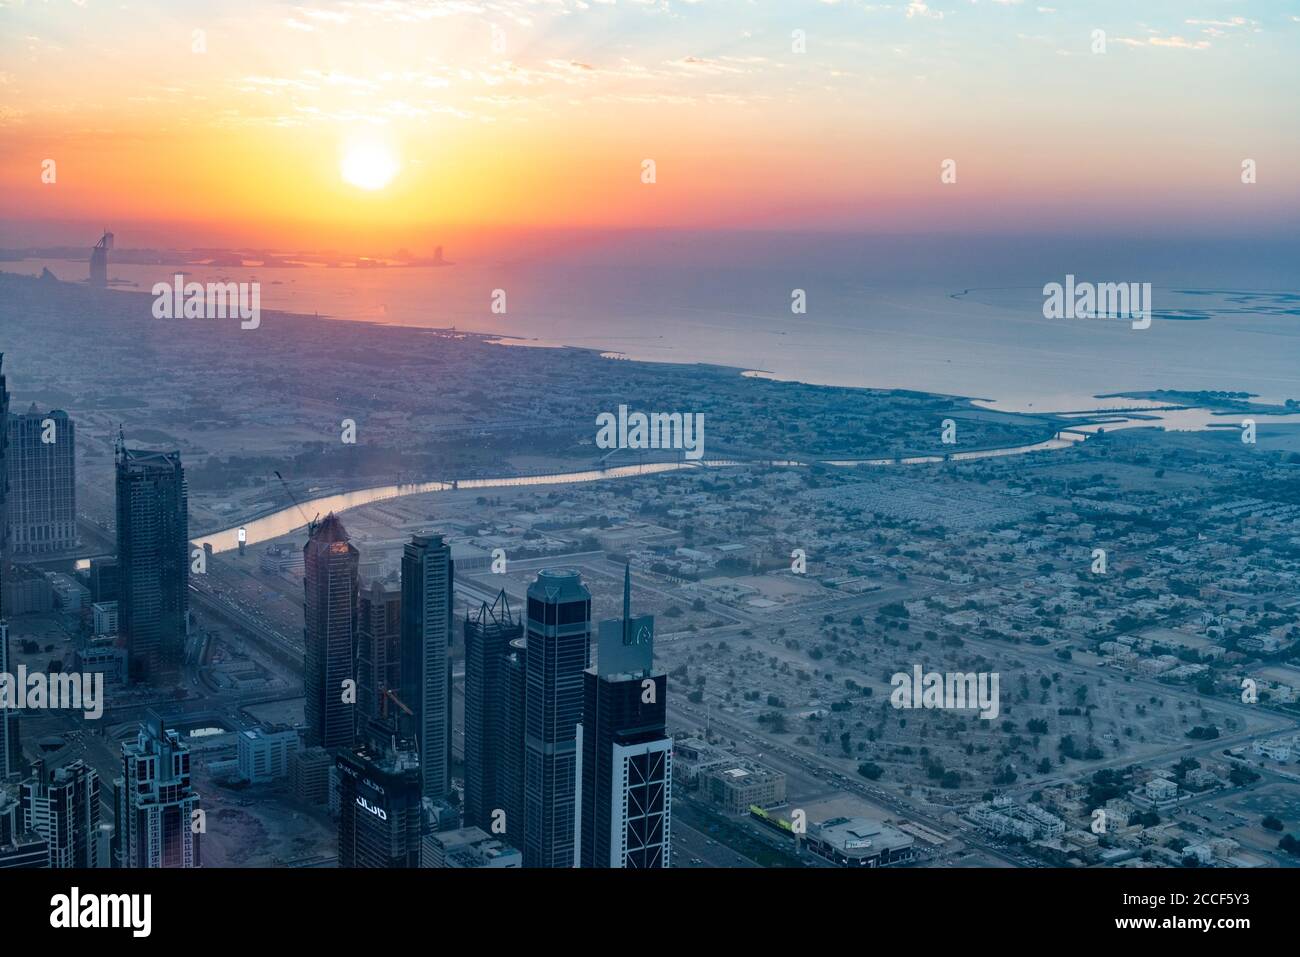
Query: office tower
(4, 468)
(103, 580)
(19, 846)
(488, 634)
(309, 776)
(558, 621)
(42, 497)
(624, 754)
(99, 260)
(63, 808)
(329, 633)
(266, 754)
(380, 823)
(426, 667)
(156, 826)
(379, 643)
(510, 780)
(11, 751)
(153, 560)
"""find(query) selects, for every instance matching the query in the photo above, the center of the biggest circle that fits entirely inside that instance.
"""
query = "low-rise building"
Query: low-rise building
(860, 842)
(467, 847)
(735, 786)
(266, 755)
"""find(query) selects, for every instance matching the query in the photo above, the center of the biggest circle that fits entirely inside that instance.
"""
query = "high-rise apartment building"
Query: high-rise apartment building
(63, 807)
(156, 825)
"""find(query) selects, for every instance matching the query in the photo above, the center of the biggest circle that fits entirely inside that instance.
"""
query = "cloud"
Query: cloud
(1173, 42)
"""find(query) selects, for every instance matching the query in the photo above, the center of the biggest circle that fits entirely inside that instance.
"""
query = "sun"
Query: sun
(368, 164)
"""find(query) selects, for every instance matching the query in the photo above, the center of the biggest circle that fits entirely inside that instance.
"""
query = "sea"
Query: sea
(954, 319)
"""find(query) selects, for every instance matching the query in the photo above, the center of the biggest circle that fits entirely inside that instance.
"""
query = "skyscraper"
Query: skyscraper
(329, 610)
(42, 498)
(510, 779)
(426, 667)
(153, 559)
(63, 808)
(155, 802)
(488, 634)
(558, 622)
(379, 661)
(380, 823)
(10, 750)
(624, 754)
(4, 467)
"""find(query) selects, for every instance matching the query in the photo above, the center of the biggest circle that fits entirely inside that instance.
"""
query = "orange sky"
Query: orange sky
(522, 115)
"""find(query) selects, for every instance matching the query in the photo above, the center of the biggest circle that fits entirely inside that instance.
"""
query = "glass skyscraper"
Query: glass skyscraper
(426, 665)
(558, 623)
(330, 564)
(152, 559)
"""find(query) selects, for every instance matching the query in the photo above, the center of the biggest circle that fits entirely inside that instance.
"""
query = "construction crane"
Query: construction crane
(311, 522)
(390, 695)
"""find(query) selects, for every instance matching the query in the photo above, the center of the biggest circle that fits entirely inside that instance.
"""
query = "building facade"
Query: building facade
(558, 623)
(379, 645)
(624, 774)
(266, 755)
(20, 848)
(488, 634)
(510, 779)
(63, 807)
(40, 462)
(10, 750)
(152, 559)
(468, 847)
(156, 825)
(380, 823)
(427, 574)
(329, 632)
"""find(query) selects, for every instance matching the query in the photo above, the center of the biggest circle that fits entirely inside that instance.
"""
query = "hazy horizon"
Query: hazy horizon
(342, 123)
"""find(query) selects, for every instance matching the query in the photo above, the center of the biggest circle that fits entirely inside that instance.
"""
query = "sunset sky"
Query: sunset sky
(511, 114)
